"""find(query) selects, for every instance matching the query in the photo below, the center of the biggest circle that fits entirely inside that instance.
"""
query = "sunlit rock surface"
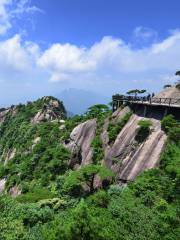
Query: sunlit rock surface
(80, 142)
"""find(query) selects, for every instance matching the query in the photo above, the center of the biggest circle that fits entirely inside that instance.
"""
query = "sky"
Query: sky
(100, 46)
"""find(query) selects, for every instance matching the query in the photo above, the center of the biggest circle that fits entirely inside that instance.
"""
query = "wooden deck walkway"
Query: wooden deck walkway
(166, 102)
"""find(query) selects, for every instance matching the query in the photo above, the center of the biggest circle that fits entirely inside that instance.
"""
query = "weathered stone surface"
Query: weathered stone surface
(2, 185)
(9, 155)
(52, 110)
(15, 191)
(123, 141)
(36, 141)
(46, 115)
(120, 113)
(171, 92)
(146, 156)
(126, 157)
(81, 138)
(3, 115)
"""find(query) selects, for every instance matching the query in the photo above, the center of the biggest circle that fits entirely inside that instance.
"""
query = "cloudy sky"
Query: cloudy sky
(101, 46)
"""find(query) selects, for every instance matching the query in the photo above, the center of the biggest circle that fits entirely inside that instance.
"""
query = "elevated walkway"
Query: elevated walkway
(167, 105)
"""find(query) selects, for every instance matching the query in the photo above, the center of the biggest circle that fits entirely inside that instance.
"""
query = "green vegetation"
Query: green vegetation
(136, 92)
(115, 128)
(167, 86)
(168, 123)
(98, 152)
(62, 203)
(97, 111)
(143, 131)
(100, 112)
(86, 175)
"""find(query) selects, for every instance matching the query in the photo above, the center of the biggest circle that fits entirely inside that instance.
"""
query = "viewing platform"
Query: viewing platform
(166, 104)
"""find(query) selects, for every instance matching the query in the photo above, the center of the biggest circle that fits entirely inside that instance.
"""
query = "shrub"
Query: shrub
(143, 131)
(174, 134)
(168, 122)
(35, 196)
(115, 128)
(98, 152)
(99, 199)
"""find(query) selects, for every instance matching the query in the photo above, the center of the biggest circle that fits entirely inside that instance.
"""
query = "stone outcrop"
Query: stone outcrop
(170, 92)
(145, 156)
(80, 142)
(120, 113)
(52, 110)
(2, 185)
(127, 158)
(10, 154)
(15, 191)
(3, 114)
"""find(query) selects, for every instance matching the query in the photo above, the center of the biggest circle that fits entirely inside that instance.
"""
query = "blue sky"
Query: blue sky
(102, 46)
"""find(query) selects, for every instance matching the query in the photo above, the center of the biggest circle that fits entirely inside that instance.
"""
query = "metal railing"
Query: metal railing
(148, 100)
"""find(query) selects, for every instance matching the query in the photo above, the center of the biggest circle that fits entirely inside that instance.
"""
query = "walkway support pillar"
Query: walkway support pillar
(165, 111)
(145, 110)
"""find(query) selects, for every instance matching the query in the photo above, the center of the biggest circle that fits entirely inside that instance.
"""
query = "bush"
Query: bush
(115, 128)
(35, 196)
(99, 199)
(98, 152)
(174, 134)
(168, 122)
(143, 131)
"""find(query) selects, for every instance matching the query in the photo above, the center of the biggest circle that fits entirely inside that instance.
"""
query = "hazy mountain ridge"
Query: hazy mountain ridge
(78, 101)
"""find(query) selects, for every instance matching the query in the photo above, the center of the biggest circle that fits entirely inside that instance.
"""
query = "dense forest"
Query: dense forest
(59, 201)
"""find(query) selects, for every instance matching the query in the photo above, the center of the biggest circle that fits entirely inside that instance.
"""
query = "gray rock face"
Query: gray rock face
(52, 110)
(120, 113)
(81, 139)
(120, 148)
(126, 157)
(44, 115)
(171, 92)
(145, 156)
(9, 155)
(15, 191)
(3, 115)
(2, 185)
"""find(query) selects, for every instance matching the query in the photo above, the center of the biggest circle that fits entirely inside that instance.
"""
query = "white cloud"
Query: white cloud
(63, 59)
(107, 66)
(113, 56)
(13, 9)
(167, 44)
(16, 56)
(24, 6)
(4, 17)
(144, 33)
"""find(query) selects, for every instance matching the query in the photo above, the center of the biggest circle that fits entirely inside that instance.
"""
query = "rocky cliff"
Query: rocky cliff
(38, 144)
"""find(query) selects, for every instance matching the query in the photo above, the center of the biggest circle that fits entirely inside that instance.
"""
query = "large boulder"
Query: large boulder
(171, 92)
(51, 110)
(80, 142)
(126, 157)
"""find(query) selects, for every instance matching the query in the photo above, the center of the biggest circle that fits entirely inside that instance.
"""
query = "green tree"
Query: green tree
(97, 110)
(144, 130)
(136, 92)
(168, 122)
(167, 86)
(86, 175)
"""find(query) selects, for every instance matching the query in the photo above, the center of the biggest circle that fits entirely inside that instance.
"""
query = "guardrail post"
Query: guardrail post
(169, 101)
